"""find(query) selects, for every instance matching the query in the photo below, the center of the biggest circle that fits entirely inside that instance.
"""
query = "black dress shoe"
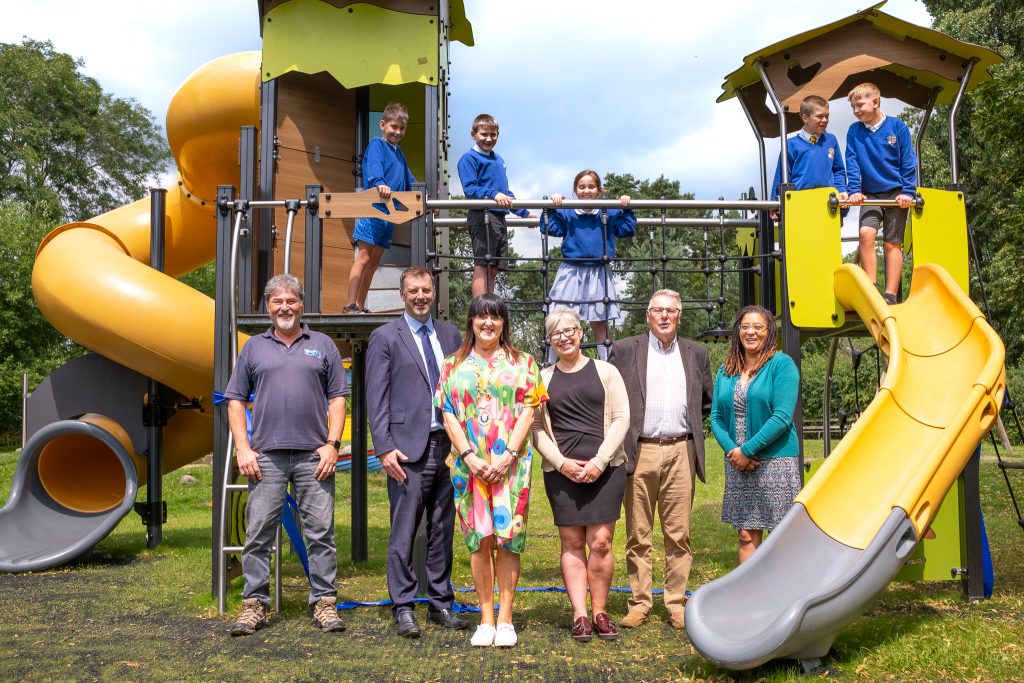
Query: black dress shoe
(447, 618)
(408, 627)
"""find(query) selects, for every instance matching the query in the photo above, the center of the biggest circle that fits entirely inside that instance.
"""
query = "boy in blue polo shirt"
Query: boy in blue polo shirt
(483, 176)
(384, 170)
(880, 164)
(813, 155)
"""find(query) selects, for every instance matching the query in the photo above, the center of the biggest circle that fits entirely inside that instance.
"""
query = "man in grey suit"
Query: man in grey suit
(403, 360)
(668, 380)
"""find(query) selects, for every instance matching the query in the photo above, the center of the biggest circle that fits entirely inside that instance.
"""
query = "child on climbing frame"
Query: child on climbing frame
(812, 154)
(584, 280)
(881, 164)
(384, 170)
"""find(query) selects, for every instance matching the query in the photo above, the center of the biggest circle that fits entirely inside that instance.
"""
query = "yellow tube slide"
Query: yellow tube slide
(93, 282)
(942, 392)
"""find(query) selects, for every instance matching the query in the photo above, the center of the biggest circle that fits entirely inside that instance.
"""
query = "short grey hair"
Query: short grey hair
(285, 281)
(557, 315)
(666, 292)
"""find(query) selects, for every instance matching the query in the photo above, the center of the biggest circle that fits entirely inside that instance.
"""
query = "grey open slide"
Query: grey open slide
(36, 532)
(792, 597)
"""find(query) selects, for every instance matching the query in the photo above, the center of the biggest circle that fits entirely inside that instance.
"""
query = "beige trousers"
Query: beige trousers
(663, 482)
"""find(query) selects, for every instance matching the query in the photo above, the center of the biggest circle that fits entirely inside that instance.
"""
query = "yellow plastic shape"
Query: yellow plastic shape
(813, 249)
(358, 45)
(943, 387)
(92, 281)
(940, 233)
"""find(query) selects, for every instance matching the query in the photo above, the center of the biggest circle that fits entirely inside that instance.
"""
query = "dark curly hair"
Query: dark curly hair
(736, 359)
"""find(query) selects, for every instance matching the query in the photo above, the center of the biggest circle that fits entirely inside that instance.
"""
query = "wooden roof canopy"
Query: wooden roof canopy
(907, 62)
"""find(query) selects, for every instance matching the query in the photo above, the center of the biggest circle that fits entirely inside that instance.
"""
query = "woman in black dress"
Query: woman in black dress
(579, 434)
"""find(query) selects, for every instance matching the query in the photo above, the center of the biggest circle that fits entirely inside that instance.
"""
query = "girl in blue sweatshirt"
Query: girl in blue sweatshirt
(584, 281)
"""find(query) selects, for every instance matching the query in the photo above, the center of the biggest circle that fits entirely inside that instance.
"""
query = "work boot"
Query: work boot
(325, 615)
(253, 617)
(633, 619)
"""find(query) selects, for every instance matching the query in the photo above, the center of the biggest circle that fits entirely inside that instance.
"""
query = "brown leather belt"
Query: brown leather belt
(665, 440)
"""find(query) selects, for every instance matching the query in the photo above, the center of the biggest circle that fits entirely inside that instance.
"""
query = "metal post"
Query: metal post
(763, 162)
(783, 158)
(359, 515)
(24, 409)
(313, 267)
(221, 374)
(419, 232)
(246, 188)
(263, 220)
(920, 131)
(790, 337)
(954, 166)
(826, 408)
(973, 583)
(155, 511)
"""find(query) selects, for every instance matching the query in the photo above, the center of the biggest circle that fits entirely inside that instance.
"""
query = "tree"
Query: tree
(64, 141)
(68, 151)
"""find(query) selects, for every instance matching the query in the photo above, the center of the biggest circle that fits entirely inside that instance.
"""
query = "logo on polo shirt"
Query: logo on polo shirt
(891, 140)
(314, 352)
(831, 152)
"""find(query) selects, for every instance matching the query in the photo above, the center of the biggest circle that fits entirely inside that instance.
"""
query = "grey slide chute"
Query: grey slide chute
(796, 592)
(37, 531)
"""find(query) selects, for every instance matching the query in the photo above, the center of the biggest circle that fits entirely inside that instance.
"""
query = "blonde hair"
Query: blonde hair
(485, 120)
(558, 315)
(864, 90)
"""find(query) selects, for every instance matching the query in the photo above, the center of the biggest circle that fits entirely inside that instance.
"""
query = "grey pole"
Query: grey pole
(155, 511)
(954, 166)
(920, 132)
(784, 161)
(760, 148)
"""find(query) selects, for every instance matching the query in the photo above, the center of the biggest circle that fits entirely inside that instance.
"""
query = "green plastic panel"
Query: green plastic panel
(358, 45)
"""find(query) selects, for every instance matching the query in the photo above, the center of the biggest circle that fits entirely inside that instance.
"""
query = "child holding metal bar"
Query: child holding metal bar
(813, 156)
(483, 176)
(384, 170)
(584, 280)
(881, 164)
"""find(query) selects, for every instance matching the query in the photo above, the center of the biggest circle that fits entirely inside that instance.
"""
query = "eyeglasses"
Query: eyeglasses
(756, 327)
(661, 310)
(568, 332)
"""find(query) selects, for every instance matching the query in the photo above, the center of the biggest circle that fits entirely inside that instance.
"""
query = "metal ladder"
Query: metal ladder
(223, 551)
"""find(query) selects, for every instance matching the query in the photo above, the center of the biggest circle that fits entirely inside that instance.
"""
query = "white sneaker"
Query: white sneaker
(505, 636)
(483, 637)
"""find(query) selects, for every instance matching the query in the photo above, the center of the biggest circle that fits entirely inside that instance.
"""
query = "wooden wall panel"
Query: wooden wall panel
(316, 130)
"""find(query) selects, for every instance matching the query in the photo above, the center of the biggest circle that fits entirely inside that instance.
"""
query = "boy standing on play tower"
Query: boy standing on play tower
(483, 176)
(384, 170)
(881, 164)
(812, 155)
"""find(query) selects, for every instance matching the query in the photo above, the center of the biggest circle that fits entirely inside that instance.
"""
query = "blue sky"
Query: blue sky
(622, 87)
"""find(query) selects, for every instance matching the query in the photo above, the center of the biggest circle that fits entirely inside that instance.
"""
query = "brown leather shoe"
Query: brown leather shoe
(581, 630)
(633, 619)
(678, 620)
(605, 627)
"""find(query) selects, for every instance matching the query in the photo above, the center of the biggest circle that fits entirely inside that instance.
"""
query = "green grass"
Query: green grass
(124, 612)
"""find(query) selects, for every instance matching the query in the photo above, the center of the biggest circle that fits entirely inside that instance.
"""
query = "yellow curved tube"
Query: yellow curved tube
(93, 282)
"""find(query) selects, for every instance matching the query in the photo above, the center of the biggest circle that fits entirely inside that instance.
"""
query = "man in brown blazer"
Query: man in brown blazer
(668, 380)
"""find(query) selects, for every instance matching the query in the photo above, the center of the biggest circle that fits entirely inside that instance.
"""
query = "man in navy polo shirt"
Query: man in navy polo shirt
(298, 413)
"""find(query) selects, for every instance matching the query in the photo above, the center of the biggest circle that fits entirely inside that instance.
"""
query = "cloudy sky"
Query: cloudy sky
(616, 86)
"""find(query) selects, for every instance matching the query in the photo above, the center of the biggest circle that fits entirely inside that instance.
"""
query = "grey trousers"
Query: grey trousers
(316, 511)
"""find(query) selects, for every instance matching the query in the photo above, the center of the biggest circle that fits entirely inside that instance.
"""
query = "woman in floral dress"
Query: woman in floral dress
(488, 391)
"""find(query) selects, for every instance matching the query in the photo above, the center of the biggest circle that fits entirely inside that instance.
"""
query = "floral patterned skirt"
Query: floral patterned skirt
(493, 509)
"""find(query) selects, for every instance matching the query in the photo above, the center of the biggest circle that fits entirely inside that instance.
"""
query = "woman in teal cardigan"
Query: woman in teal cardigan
(752, 418)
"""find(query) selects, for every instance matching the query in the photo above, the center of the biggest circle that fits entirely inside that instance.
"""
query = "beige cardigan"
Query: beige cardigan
(616, 422)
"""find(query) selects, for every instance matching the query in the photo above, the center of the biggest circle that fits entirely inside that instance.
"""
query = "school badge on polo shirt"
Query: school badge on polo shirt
(891, 140)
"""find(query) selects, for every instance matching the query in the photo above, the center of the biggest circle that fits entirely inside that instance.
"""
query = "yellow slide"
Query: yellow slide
(93, 282)
(856, 522)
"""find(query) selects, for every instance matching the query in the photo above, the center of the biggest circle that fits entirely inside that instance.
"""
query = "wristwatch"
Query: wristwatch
(336, 444)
